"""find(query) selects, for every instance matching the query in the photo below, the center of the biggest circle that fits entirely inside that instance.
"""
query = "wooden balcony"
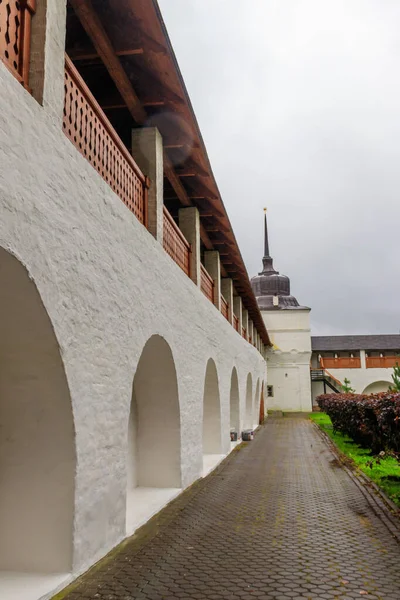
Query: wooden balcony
(381, 362)
(244, 333)
(90, 131)
(15, 36)
(206, 284)
(342, 363)
(224, 308)
(175, 244)
(236, 322)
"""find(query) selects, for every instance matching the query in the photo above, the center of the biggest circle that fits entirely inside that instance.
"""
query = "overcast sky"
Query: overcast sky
(298, 102)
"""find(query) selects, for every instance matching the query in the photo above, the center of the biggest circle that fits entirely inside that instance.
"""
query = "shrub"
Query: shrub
(373, 421)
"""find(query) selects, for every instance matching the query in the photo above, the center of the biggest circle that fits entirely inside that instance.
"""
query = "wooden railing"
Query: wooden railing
(244, 333)
(342, 363)
(224, 308)
(381, 362)
(236, 322)
(90, 131)
(175, 244)
(323, 367)
(206, 284)
(15, 36)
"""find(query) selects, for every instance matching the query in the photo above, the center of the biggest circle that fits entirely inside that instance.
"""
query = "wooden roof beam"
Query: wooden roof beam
(99, 38)
(78, 55)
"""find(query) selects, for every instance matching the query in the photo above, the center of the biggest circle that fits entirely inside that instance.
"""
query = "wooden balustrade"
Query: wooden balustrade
(15, 36)
(86, 125)
(224, 308)
(175, 244)
(342, 363)
(206, 284)
(244, 333)
(236, 322)
(381, 362)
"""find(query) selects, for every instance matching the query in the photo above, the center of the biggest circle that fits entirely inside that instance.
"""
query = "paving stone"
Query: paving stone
(277, 520)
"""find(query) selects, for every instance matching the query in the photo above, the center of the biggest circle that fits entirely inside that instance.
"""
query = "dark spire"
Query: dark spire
(267, 260)
(266, 245)
(271, 289)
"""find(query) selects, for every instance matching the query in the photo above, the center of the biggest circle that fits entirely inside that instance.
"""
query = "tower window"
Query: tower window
(270, 391)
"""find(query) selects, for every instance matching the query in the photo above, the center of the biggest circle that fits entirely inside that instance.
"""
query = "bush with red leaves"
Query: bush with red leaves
(373, 421)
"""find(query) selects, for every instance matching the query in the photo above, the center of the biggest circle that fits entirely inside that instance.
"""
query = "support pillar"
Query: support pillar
(251, 332)
(227, 292)
(237, 309)
(147, 150)
(245, 319)
(189, 224)
(213, 266)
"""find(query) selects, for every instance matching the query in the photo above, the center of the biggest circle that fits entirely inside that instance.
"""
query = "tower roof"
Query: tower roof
(271, 289)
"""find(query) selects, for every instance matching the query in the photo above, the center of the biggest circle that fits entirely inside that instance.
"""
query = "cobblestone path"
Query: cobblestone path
(279, 519)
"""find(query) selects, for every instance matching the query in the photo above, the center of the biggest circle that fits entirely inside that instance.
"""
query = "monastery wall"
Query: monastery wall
(104, 298)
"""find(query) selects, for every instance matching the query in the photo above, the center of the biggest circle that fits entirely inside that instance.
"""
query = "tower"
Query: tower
(288, 323)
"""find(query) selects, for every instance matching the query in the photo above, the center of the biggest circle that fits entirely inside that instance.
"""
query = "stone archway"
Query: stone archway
(37, 439)
(154, 434)
(234, 403)
(249, 403)
(212, 442)
(376, 387)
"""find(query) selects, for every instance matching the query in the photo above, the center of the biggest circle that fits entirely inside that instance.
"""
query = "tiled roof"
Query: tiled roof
(355, 342)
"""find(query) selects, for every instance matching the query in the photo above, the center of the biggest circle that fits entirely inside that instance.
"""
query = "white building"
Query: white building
(131, 342)
(367, 361)
(288, 324)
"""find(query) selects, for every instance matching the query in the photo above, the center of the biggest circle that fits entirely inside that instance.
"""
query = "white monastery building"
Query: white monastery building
(131, 343)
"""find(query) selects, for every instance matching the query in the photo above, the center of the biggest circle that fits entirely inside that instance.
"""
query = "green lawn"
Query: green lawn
(386, 474)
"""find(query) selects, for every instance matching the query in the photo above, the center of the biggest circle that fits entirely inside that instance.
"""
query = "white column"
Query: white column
(251, 331)
(189, 224)
(237, 309)
(213, 266)
(245, 319)
(147, 150)
(227, 292)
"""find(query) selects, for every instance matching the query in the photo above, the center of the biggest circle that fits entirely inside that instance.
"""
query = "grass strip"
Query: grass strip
(385, 471)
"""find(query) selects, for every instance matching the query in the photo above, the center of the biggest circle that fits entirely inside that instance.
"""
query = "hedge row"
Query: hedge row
(372, 421)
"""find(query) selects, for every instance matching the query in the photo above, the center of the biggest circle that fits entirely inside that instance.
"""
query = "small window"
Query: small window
(270, 391)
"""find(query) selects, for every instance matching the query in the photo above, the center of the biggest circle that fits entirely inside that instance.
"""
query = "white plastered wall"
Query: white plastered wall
(107, 286)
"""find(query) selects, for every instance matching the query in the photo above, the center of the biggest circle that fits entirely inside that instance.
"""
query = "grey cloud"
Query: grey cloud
(299, 105)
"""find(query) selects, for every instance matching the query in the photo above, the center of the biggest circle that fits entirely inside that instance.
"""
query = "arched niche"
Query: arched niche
(211, 411)
(37, 438)
(234, 403)
(376, 387)
(212, 442)
(261, 417)
(154, 433)
(249, 403)
(256, 410)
